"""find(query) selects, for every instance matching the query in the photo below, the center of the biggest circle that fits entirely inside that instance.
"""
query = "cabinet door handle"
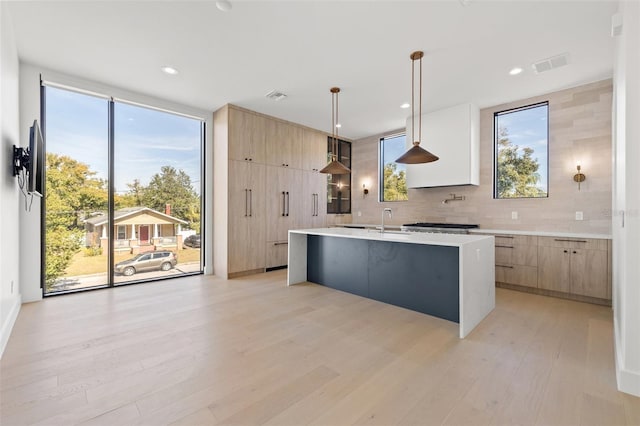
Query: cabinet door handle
(504, 266)
(280, 244)
(566, 251)
(246, 198)
(313, 204)
(287, 203)
(283, 204)
(317, 205)
(250, 203)
(575, 252)
(571, 241)
(504, 246)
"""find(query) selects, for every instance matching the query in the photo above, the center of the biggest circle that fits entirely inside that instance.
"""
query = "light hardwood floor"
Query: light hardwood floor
(202, 350)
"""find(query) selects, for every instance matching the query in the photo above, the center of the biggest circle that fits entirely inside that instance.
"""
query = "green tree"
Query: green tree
(395, 183)
(517, 174)
(72, 194)
(173, 187)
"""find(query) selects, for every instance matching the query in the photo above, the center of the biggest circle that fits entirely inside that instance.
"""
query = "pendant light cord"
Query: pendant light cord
(413, 104)
(420, 116)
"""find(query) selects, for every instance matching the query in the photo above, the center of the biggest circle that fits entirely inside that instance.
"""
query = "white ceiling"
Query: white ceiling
(303, 48)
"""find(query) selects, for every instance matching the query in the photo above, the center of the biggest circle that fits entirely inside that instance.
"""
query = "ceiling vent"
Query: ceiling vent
(551, 63)
(274, 95)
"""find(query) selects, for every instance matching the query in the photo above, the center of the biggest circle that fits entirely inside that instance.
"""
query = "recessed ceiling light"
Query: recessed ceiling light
(169, 70)
(515, 71)
(338, 125)
(223, 5)
(405, 105)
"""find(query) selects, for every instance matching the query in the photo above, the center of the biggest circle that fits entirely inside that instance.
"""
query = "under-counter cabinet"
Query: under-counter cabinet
(574, 266)
(517, 260)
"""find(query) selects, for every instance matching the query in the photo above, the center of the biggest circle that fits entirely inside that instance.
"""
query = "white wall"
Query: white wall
(626, 200)
(30, 110)
(10, 200)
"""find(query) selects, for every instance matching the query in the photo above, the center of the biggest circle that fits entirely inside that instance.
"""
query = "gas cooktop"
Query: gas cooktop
(457, 228)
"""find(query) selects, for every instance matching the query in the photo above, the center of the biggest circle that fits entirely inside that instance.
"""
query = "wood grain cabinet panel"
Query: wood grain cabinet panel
(554, 271)
(578, 268)
(247, 136)
(246, 218)
(516, 260)
(589, 273)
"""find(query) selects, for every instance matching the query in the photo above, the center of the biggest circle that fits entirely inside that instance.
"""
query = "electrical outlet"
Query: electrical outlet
(579, 216)
(359, 213)
(514, 215)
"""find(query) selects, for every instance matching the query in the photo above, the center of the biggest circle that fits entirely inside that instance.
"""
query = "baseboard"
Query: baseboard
(5, 332)
(628, 381)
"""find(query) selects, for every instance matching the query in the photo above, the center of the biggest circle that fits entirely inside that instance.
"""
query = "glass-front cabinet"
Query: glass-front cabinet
(339, 186)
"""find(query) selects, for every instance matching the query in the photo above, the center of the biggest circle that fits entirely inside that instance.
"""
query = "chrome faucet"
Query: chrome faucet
(387, 210)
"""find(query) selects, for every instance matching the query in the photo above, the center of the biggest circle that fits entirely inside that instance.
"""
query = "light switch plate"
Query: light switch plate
(514, 215)
(579, 216)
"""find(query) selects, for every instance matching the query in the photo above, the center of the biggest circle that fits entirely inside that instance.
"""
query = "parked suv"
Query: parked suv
(162, 260)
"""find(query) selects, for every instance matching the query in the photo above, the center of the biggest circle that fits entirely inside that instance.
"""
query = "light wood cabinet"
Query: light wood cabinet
(516, 260)
(246, 218)
(314, 210)
(314, 150)
(266, 184)
(277, 254)
(284, 145)
(575, 266)
(247, 136)
(284, 202)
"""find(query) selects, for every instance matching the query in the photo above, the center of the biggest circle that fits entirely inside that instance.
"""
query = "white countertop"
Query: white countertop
(497, 231)
(541, 233)
(455, 240)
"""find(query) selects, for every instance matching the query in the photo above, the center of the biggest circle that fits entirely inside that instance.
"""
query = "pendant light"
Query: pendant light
(335, 167)
(416, 155)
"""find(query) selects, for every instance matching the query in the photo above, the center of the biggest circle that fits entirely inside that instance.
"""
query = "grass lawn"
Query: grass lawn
(85, 265)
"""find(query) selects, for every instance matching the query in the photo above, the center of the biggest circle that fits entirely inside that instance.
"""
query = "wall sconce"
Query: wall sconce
(365, 190)
(579, 177)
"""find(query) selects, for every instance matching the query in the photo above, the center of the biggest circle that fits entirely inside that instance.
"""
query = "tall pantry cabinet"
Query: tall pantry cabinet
(266, 182)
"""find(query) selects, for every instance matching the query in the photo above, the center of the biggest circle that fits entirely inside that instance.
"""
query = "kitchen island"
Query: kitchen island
(449, 276)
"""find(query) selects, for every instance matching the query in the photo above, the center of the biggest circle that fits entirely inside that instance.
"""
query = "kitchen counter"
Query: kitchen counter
(542, 233)
(450, 276)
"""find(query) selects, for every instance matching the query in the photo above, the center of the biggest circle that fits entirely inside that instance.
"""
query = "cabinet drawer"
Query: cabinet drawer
(580, 243)
(526, 276)
(277, 253)
(504, 255)
(506, 239)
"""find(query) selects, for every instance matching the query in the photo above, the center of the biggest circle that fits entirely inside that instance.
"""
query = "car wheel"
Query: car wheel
(128, 271)
(165, 266)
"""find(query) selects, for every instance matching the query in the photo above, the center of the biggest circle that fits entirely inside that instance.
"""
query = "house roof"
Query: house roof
(129, 215)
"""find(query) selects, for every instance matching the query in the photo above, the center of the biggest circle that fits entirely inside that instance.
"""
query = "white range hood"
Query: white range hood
(453, 134)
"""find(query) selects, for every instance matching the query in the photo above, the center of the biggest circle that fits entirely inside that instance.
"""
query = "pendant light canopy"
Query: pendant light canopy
(335, 167)
(416, 155)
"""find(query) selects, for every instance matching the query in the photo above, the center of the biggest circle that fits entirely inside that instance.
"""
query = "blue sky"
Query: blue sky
(394, 147)
(528, 128)
(145, 139)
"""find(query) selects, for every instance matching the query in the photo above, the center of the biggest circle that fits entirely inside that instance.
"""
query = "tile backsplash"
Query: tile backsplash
(579, 129)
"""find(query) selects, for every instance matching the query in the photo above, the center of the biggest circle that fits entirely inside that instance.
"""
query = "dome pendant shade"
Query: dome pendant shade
(417, 155)
(335, 168)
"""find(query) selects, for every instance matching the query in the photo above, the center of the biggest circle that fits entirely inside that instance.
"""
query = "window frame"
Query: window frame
(381, 167)
(495, 148)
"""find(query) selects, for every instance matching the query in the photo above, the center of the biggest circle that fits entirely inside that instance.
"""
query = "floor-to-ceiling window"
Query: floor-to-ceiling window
(122, 194)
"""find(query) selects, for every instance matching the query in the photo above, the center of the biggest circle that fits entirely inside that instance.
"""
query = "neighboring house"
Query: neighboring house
(135, 230)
